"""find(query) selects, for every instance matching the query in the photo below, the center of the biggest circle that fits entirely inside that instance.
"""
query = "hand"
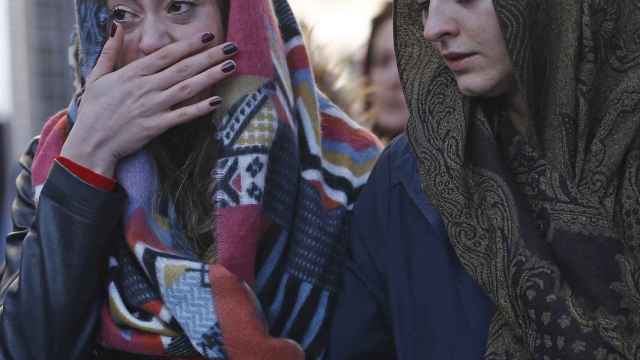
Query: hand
(123, 110)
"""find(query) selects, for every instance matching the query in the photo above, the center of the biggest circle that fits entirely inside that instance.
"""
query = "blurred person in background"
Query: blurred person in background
(385, 102)
(197, 170)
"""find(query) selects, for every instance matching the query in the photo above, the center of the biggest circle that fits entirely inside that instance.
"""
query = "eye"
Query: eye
(180, 7)
(121, 14)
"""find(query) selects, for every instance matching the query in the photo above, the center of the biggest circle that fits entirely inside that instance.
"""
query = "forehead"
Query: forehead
(139, 3)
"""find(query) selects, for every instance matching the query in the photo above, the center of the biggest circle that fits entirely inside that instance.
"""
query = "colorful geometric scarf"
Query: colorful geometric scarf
(290, 167)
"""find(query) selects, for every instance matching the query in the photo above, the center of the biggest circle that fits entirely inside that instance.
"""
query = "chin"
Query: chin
(486, 87)
(479, 90)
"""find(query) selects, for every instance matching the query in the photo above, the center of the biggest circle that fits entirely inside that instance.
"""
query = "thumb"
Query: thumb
(109, 55)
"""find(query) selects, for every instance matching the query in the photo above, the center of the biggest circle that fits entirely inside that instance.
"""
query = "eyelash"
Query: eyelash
(121, 11)
(190, 5)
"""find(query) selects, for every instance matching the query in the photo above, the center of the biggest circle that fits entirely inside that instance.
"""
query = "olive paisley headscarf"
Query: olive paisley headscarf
(545, 213)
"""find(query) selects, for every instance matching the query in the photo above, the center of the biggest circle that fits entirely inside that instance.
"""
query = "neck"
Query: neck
(518, 111)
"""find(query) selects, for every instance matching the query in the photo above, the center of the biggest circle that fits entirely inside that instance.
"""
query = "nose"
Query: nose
(155, 35)
(439, 22)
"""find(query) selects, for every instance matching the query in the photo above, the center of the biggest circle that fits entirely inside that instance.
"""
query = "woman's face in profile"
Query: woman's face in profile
(467, 35)
(152, 24)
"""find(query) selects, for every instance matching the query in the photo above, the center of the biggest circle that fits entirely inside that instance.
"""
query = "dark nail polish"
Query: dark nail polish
(229, 66)
(229, 49)
(114, 28)
(215, 102)
(207, 37)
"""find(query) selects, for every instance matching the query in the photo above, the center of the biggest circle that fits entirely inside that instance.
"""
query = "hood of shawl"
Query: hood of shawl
(92, 17)
(421, 66)
(566, 55)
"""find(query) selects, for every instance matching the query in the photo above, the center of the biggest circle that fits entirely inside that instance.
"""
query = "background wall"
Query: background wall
(40, 79)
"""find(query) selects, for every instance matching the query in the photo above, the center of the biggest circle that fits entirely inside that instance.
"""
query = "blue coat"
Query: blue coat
(405, 294)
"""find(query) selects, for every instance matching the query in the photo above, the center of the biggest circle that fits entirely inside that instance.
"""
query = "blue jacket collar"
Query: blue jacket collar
(404, 170)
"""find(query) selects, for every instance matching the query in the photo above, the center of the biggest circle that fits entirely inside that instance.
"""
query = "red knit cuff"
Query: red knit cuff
(87, 175)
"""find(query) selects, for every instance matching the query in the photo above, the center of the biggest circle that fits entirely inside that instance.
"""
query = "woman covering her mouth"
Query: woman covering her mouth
(193, 199)
(505, 224)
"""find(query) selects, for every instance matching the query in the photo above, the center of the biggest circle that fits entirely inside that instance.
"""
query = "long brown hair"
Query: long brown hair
(385, 14)
(185, 156)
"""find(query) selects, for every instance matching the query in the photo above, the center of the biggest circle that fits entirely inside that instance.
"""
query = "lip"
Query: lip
(456, 61)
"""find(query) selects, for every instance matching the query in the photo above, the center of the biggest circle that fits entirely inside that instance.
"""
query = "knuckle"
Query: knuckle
(215, 75)
(107, 51)
(164, 56)
(148, 128)
(213, 78)
(183, 69)
(183, 115)
(185, 90)
(213, 56)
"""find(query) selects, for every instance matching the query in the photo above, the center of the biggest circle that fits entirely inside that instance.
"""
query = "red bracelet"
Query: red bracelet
(87, 175)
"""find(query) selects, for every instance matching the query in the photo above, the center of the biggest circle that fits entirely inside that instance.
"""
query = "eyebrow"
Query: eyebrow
(136, 2)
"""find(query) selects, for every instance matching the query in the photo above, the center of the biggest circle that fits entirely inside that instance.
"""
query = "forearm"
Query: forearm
(51, 309)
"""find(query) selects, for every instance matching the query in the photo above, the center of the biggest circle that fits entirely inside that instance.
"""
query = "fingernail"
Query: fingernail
(215, 102)
(207, 37)
(114, 28)
(229, 49)
(229, 66)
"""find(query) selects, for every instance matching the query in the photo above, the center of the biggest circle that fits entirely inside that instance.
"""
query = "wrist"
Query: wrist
(99, 162)
(87, 175)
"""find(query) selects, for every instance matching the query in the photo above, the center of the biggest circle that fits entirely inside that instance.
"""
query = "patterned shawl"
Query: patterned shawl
(289, 169)
(544, 214)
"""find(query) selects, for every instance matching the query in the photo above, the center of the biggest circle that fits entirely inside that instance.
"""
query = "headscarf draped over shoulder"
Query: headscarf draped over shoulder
(544, 214)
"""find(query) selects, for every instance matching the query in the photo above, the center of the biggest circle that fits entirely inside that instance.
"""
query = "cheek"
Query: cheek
(380, 78)
(208, 19)
(496, 67)
(493, 81)
(503, 68)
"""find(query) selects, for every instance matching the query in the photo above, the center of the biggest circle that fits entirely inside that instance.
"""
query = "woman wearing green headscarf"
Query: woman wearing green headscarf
(506, 224)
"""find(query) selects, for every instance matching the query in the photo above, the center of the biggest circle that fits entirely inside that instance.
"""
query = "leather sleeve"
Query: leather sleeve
(22, 213)
(52, 278)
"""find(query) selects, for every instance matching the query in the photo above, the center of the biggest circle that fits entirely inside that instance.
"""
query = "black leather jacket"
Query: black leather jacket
(52, 280)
